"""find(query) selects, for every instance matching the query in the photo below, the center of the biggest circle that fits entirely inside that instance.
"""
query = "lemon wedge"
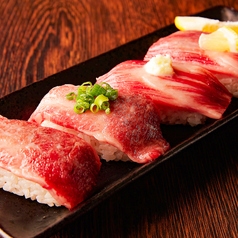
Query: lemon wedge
(202, 24)
(223, 39)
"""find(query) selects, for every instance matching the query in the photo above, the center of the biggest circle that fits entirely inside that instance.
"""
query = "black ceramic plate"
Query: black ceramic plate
(24, 218)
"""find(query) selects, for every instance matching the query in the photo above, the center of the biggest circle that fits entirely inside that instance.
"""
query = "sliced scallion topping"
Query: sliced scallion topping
(112, 94)
(94, 108)
(97, 90)
(100, 100)
(107, 111)
(93, 97)
(71, 96)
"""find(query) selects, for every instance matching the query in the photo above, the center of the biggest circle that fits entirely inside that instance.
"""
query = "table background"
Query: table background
(192, 195)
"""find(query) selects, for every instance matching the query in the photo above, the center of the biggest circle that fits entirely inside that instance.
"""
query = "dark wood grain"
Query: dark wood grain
(194, 194)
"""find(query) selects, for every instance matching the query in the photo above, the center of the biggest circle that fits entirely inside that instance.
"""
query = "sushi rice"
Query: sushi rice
(104, 150)
(23, 187)
(174, 117)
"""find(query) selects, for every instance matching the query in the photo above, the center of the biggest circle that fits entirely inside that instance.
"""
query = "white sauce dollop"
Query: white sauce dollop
(159, 66)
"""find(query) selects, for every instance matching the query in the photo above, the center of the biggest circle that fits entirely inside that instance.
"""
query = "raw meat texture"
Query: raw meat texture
(62, 163)
(192, 90)
(133, 126)
(183, 47)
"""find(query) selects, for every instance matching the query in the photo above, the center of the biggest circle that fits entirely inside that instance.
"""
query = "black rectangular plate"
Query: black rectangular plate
(21, 217)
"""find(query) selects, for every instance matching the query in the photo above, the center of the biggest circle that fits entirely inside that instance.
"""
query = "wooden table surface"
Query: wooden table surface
(192, 195)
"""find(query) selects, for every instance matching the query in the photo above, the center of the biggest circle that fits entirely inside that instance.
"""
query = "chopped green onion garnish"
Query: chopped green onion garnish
(105, 105)
(97, 90)
(100, 100)
(88, 84)
(107, 86)
(79, 109)
(94, 108)
(71, 96)
(107, 111)
(85, 98)
(81, 106)
(93, 97)
(112, 94)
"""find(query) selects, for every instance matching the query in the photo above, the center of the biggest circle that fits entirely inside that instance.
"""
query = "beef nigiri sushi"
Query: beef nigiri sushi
(130, 132)
(183, 95)
(183, 47)
(44, 164)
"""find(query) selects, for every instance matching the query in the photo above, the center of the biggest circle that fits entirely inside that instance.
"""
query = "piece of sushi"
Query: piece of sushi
(186, 96)
(44, 164)
(131, 132)
(183, 47)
